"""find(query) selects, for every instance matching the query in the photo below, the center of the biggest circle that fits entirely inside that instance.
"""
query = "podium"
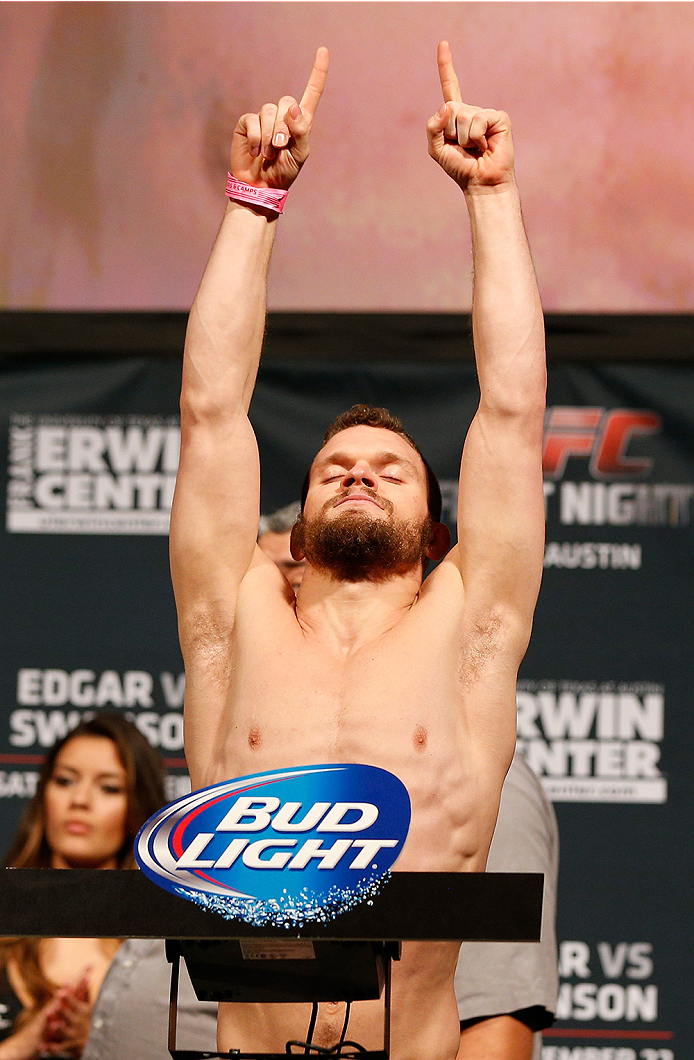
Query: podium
(232, 960)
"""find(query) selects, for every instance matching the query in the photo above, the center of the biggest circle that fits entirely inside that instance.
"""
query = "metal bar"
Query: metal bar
(91, 903)
(173, 1001)
(386, 1018)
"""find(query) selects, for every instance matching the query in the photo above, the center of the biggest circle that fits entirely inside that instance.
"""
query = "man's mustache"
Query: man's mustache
(365, 491)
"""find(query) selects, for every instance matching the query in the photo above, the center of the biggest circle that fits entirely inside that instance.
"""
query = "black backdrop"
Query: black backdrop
(604, 693)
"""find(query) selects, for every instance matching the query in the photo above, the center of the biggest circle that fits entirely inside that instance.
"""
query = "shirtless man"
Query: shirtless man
(415, 677)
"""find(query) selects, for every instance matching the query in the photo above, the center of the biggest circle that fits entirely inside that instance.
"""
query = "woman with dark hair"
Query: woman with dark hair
(97, 787)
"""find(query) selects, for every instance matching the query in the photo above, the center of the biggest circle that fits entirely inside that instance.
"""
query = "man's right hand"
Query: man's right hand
(473, 145)
(269, 148)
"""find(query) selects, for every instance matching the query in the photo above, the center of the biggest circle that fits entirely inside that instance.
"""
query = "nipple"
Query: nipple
(420, 738)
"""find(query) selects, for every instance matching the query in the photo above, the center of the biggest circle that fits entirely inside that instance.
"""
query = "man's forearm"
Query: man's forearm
(227, 321)
(507, 318)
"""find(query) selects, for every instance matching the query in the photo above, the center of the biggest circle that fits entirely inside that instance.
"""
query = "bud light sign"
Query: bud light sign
(287, 847)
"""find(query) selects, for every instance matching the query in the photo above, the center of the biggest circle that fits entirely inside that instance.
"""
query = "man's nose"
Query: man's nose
(360, 475)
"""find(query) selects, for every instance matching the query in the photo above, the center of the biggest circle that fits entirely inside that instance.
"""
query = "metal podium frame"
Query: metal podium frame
(411, 906)
(381, 955)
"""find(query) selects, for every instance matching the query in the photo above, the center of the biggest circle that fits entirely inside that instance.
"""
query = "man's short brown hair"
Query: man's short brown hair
(375, 416)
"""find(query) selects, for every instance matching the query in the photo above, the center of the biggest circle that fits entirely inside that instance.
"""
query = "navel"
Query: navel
(420, 738)
(254, 738)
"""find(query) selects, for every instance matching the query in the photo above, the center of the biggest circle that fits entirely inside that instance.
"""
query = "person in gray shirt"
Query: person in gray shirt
(507, 992)
(131, 1015)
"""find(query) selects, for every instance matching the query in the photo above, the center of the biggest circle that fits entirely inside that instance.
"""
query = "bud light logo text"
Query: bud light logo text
(286, 847)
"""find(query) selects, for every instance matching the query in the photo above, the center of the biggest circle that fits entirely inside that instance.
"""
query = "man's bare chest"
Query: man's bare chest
(399, 680)
(394, 705)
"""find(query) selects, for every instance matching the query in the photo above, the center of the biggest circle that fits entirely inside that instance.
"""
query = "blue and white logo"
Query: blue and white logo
(285, 847)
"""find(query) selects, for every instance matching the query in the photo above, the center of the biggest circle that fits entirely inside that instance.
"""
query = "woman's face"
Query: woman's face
(86, 804)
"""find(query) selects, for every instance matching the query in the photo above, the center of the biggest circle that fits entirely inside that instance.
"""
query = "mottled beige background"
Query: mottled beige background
(115, 120)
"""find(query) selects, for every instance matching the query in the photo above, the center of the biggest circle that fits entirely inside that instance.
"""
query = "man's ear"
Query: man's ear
(296, 541)
(440, 541)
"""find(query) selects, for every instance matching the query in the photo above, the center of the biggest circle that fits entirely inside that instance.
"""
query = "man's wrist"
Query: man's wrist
(253, 214)
(493, 202)
(272, 199)
(481, 191)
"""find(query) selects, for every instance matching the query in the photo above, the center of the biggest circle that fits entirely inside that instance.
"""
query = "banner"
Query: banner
(89, 451)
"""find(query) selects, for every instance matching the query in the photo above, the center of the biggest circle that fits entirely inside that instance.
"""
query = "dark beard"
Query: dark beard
(355, 547)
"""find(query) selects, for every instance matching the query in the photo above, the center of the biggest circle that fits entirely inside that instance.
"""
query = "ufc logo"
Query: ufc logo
(603, 436)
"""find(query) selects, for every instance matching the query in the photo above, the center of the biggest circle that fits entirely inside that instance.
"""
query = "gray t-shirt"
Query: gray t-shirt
(130, 1020)
(494, 978)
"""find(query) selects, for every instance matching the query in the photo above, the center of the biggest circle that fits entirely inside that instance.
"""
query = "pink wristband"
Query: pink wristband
(268, 198)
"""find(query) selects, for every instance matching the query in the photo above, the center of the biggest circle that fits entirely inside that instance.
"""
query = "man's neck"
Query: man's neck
(348, 615)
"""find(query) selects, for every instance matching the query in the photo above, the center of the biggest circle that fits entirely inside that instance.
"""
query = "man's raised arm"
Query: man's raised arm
(214, 519)
(501, 504)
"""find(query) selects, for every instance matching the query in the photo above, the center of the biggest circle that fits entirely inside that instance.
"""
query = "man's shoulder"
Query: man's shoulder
(264, 594)
(523, 782)
(445, 581)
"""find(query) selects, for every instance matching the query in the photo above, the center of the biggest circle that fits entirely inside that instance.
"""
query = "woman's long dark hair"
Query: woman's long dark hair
(145, 791)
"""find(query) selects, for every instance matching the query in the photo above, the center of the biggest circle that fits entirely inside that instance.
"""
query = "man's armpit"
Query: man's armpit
(206, 642)
(482, 641)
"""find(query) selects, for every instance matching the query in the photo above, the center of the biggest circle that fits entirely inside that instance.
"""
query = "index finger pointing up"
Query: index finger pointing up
(449, 82)
(316, 82)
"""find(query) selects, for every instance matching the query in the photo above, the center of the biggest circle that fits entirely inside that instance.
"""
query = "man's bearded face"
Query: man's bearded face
(356, 546)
